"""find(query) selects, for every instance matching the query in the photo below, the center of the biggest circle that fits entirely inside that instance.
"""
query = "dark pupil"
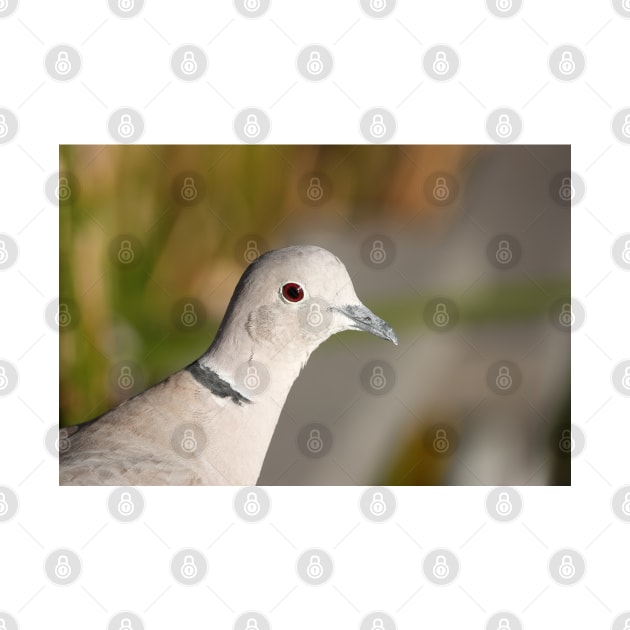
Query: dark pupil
(293, 291)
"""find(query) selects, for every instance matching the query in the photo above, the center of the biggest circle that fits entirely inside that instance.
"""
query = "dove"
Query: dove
(211, 422)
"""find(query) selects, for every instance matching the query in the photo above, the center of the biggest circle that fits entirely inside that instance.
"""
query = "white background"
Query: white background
(252, 63)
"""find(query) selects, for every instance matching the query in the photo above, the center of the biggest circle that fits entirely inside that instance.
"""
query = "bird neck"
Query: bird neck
(236, 355)
(242, 365)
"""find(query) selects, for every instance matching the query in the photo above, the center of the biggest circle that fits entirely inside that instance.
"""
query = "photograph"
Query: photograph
(197, 284)
(315, 315)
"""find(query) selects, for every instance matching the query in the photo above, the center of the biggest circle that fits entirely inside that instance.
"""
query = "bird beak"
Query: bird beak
(363, 319)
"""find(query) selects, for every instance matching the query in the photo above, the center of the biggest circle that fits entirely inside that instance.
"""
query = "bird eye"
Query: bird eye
(292, 292)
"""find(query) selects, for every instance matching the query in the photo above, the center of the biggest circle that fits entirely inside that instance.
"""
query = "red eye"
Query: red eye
(292, 292)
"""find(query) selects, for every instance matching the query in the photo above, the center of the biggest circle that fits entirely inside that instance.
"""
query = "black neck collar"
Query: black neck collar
(211, 380)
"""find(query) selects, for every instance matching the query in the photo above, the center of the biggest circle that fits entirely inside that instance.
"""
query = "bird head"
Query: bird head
(297, 297)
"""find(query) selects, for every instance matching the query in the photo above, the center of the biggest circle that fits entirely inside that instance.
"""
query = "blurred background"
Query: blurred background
(464, 250)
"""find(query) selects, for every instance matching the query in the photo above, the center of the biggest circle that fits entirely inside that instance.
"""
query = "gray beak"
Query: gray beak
(363, 319)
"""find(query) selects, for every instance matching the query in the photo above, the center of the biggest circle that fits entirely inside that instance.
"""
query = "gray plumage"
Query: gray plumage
(212, 404)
